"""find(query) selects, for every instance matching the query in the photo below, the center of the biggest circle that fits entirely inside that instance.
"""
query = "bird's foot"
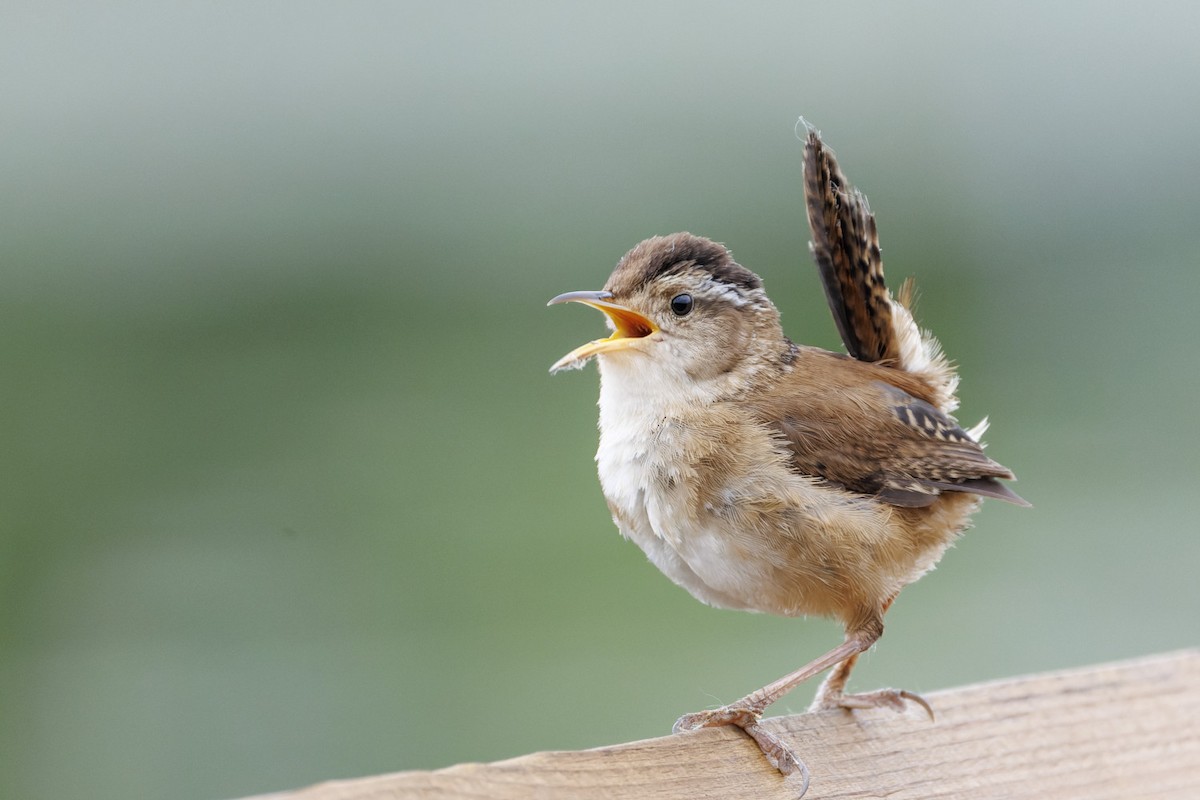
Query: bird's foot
(748, 719)
(895, 699)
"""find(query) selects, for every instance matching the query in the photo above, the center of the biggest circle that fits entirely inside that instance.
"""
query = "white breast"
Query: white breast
(638, 446)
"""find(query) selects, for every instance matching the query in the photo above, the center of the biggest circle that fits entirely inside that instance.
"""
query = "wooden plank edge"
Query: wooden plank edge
(1124, 729)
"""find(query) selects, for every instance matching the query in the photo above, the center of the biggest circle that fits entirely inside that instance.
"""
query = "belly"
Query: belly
(675, 554)
(720, 559)
(797, 548)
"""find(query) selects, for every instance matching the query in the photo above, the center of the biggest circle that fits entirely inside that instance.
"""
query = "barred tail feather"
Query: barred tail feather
(874, 325)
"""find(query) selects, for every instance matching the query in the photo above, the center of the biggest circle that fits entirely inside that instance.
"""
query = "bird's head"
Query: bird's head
(680, 308)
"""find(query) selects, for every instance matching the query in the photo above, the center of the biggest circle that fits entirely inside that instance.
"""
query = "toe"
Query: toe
(688, 722)
(726, 715)
(894, 699)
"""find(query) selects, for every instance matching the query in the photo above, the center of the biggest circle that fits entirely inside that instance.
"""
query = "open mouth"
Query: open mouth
(629, 326)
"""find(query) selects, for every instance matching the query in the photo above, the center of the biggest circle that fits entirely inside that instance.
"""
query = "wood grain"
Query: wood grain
(1124, 730)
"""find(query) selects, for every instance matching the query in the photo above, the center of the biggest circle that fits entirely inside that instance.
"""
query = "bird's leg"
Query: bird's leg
(747, 712)
(832, 692)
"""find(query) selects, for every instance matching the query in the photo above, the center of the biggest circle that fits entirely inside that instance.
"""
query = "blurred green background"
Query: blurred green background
(287, 492)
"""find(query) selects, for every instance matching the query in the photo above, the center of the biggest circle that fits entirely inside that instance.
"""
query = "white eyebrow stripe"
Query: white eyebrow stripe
(716, 290)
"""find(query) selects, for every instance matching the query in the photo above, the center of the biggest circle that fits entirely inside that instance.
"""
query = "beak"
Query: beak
(629, 326)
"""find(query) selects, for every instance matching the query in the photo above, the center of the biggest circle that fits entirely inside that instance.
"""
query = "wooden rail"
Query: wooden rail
(1125, 730)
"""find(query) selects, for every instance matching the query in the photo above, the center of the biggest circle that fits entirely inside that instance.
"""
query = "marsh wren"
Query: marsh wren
(764, 475)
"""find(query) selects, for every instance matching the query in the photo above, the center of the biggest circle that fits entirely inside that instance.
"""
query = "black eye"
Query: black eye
(681, 304)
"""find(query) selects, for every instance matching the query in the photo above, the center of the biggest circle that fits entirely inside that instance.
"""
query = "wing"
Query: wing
(845, 246)
(879, 439)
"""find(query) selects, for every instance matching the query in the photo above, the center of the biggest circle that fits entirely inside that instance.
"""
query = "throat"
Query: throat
(636, 405)
(634, 402)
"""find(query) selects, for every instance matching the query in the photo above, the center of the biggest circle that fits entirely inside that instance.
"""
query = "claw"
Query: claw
(921, 701)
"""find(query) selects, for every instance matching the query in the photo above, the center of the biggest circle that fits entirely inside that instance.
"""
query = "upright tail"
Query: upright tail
(874, 325)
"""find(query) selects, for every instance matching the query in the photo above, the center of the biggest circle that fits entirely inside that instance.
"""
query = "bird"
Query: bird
(769, 476)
